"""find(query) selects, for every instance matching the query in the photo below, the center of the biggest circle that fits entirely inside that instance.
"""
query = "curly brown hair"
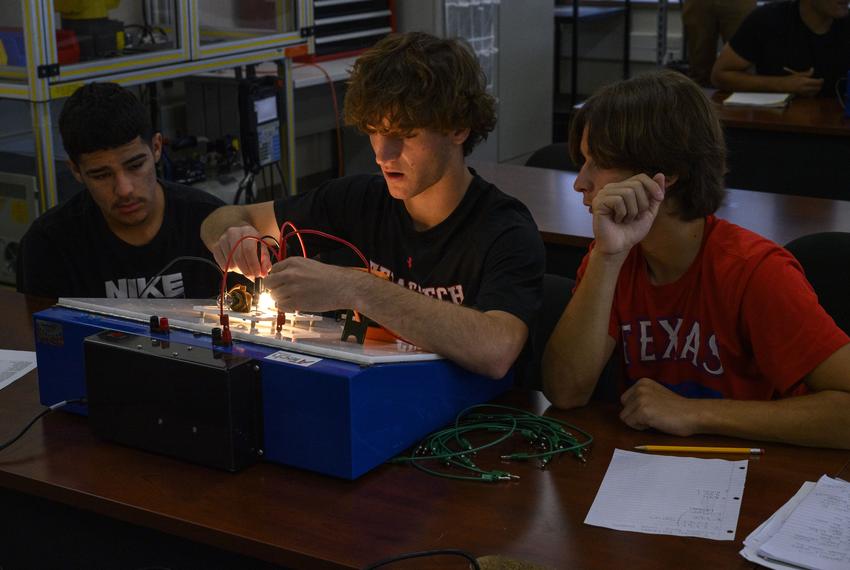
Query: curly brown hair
(415, 80)
(660, 121)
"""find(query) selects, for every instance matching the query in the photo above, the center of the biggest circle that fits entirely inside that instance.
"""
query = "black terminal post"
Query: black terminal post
(355, 325)
(159, 325)
(258, 289)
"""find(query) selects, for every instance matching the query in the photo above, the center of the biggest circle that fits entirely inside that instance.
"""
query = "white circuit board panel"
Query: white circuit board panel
(303, 333)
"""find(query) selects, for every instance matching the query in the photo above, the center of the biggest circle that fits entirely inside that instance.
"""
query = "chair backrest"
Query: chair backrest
(557, 291)
(825, 258)
(555, 156)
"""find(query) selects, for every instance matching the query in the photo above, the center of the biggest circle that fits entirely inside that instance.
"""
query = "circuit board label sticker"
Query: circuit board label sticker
(293, 358)
(50, 333)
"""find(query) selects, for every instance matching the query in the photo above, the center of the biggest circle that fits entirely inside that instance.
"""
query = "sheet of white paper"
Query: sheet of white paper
(758, 99)
(817, 533)
(769, 527)
(14, 364)
(659, 494)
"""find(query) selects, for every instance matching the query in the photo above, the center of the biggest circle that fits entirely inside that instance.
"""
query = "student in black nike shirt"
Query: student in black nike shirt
(112, 239)
(465, 261)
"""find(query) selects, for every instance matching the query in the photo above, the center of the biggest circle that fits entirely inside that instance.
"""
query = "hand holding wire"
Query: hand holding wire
(301, 284)
(242, 253)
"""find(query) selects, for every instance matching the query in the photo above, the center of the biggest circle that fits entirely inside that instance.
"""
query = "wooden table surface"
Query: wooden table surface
(304, 520)
(563, 219)
(809, 115)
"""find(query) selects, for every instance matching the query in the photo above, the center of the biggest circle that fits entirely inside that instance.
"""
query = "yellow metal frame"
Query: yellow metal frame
(60, 90)
(43, 130)
(14, 91)
(117, 65)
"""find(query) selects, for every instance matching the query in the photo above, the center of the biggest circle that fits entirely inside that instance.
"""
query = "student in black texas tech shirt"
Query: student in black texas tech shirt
(112, 239)
(799, 46)
(465, 260)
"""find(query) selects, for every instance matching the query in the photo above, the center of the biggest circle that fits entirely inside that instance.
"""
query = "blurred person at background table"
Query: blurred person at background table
(704, 22)
(800, 47)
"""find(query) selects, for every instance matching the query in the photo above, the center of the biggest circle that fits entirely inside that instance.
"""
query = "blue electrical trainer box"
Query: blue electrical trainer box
(321, 414)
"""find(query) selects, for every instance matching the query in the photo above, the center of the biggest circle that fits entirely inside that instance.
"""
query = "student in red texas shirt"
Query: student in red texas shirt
(716, 327)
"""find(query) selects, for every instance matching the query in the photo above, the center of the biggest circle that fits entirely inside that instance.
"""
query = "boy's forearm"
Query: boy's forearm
(580, 345)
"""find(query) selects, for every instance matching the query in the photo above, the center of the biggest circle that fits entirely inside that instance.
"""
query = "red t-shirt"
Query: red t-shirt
(742, 322)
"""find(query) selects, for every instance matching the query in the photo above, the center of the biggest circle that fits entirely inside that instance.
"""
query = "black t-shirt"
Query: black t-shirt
(487, 254)
(774, 36)
(70, 251)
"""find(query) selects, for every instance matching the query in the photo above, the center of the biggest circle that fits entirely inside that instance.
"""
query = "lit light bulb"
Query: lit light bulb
(266, 302)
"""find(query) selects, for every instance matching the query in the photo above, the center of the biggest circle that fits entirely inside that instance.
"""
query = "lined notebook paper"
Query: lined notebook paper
(817, 532)
(769, 527)
(758, 99)
(680, 496)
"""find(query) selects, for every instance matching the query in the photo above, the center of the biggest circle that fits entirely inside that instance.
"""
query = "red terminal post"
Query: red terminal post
(163, 325)
(281, 320)
(226, 338)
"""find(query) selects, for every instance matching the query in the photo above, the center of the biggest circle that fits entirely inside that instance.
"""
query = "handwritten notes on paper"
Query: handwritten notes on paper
(816, 533)
(680, 496)
(14, 364)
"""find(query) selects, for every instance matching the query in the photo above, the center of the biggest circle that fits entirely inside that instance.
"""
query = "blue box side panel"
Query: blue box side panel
(59, 335)
(394, 406)
(307, 410)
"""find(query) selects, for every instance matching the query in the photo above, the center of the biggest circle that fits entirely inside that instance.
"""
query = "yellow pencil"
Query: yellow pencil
(698, 449)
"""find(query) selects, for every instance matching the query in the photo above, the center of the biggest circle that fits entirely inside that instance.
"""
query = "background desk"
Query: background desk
(304, 520)
(801, 149)
(566, 225)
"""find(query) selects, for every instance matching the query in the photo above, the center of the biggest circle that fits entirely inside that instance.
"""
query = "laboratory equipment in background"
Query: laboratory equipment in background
(17, 211)
(343, 29)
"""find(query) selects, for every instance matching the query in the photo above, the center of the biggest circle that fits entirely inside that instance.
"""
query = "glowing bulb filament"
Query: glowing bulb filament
(266, 302)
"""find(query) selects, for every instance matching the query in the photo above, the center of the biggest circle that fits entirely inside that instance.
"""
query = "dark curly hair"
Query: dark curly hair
(100, 116)
(415, 80)
(660, 121)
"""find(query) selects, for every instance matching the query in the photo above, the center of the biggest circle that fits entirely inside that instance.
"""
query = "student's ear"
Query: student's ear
(156, 146)
(75, 170)
(459, 136)
(670, 180)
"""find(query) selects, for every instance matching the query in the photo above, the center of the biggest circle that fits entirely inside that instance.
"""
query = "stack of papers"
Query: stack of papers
(758, 99)
(679, 496)
(812, 530)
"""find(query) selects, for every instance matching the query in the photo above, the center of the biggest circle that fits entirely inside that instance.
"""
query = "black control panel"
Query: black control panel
(185, 401)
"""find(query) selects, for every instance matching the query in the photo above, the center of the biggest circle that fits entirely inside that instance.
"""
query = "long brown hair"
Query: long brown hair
(658, 122)
(415, 80)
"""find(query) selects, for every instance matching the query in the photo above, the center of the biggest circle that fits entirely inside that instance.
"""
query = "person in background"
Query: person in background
(704, 21)
(111, 239)
(799, 46)
(715, 327)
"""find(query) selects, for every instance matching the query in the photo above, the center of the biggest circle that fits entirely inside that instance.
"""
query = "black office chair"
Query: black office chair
(555, 156)
(825, 258)
(557, 292)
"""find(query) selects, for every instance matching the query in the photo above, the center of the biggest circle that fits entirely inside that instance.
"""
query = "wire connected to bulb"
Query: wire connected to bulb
(278, 252)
